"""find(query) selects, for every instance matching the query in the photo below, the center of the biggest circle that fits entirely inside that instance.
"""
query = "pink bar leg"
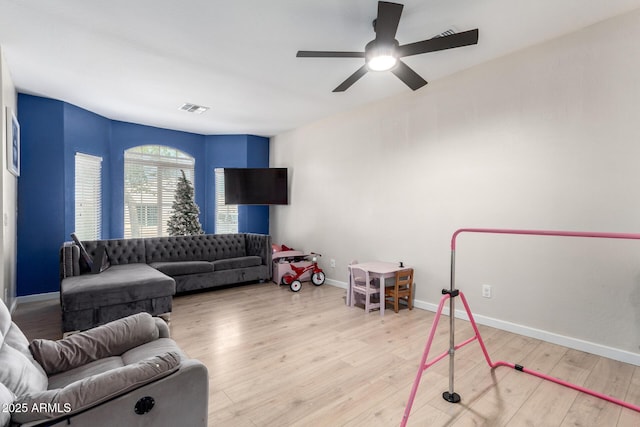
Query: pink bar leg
(476, 331)
(423, 361)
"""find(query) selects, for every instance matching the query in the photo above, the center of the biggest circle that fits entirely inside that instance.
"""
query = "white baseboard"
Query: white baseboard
(37, 297)
(336, 283)
(570, 342)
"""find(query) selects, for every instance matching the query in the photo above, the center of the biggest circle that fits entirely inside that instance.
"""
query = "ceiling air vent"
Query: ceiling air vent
(193, 108)
(448, 32)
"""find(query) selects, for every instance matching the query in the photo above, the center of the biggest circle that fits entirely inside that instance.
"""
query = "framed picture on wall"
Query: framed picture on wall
(13, 143)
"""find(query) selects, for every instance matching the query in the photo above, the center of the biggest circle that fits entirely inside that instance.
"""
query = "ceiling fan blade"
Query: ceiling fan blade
(408, 76)
(328, 54)
(386, 23)
(465, 38)
(351, 79)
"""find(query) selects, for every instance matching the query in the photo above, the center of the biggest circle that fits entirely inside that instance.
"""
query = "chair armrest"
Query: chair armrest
(163, 328)
(111, 339)
(189, 407)
(93, 390)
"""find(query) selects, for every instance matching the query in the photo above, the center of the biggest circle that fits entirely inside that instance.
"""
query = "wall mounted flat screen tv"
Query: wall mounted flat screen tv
(256, 186)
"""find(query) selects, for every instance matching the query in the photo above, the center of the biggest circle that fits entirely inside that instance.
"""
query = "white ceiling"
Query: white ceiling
(139, 61)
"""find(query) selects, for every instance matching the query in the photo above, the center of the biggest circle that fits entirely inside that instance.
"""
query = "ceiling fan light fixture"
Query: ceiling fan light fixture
(382, 63)
(380, 57)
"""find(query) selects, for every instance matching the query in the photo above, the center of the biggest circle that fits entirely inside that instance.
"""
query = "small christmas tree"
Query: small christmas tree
(184, 220)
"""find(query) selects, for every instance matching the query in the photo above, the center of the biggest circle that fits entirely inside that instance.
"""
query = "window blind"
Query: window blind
(151, 175)
(226, 215)
(88, 196)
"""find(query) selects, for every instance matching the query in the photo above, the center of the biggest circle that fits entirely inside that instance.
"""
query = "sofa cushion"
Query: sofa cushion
(176, 248)
(111, 339)
(16, 339)
(6, 398)
(204, 247)
(178, 268)
(241, 262)
(19, 374)
(123, 283)
(119, 251)
(95, 389)
(5, 321)
(223, 246)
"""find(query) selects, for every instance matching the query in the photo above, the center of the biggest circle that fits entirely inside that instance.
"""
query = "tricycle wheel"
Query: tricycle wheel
(287, 279)
(295, 285)
(318, 278)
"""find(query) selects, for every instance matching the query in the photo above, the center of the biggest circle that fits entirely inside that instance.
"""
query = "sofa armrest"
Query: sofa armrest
(69, 260)
(259, 245)
(88, 392)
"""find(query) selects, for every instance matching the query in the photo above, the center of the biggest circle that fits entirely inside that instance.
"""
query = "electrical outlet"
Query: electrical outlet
(486, 291)
(333, 263)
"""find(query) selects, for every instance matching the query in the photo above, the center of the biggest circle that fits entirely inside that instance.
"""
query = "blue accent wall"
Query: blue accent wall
(257, 151)
(41, 194)
(53, 131)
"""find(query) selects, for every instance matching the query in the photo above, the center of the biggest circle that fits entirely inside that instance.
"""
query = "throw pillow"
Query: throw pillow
(84, 255)
(111, 339)
(101, 260)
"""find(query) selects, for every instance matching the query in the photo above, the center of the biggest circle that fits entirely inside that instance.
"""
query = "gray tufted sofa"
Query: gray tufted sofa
(145, 273)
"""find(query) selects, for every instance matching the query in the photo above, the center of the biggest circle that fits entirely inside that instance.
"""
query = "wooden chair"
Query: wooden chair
(362, 284)
(401, 289)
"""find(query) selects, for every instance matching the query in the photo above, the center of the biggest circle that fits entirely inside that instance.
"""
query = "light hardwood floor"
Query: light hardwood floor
(278, 358)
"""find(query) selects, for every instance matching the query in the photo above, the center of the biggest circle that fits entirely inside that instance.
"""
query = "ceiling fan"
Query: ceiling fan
(384, 52)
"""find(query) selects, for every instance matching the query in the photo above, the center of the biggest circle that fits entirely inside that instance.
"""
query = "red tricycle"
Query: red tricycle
(293, 278)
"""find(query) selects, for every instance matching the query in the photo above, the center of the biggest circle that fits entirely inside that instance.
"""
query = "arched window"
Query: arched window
(150, 177)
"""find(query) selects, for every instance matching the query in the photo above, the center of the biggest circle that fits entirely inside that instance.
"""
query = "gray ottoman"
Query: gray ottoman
(94, 299)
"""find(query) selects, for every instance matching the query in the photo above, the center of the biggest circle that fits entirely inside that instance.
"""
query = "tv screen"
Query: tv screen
(256, 186)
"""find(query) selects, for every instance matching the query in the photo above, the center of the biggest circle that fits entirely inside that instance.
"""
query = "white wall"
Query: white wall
(546, 138)
(9, 185)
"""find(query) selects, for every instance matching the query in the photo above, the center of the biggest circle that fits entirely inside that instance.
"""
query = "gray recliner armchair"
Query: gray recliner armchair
(126, 372)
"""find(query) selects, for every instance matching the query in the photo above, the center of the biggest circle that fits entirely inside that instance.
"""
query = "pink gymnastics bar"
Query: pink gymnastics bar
(450, 294)
(628, 236)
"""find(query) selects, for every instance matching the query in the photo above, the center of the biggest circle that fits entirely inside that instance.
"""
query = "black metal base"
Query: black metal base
(451, 397)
